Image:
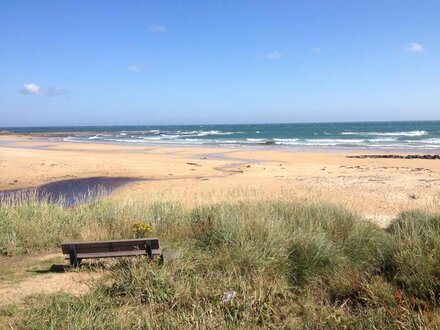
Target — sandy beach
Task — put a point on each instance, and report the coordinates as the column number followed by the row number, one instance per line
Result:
column 377, row 188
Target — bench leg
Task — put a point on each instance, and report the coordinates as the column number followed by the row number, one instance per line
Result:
column 148, row 249
column 161, row 259
column 74, row 261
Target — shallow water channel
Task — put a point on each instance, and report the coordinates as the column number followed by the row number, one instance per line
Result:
column 69, row 192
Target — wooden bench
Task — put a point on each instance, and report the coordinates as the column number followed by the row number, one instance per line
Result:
column 76, row 251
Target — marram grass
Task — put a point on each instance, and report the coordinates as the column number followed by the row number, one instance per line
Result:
column 291, row 265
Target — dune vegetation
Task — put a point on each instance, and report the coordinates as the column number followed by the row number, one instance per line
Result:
column 242, row 264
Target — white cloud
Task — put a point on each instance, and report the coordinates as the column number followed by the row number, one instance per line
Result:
column 137, row 67
column 31, row 88
column 317, row 49
column 415, row 47
column 34, row 89
column 273, row 55
column 157, row 28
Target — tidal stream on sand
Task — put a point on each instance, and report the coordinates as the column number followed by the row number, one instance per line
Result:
column 69, row 192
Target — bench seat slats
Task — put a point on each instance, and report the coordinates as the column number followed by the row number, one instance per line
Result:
column 104, row 249
column 93, row 255
column 89, row 249
column 104, row 245
column 121, row 245
column 134, row 240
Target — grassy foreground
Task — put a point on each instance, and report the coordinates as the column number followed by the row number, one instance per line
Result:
column 294, row 266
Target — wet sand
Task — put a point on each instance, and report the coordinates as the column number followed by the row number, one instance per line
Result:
column 376, row 187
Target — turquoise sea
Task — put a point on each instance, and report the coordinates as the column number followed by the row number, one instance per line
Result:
column 414, row 135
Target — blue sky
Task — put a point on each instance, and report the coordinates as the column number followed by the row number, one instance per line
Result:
column 198, row 62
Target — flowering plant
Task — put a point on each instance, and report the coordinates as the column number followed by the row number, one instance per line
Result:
column 141, row 229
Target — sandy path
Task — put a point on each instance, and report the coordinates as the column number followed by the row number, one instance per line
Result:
column 76, row 283
column 20, row 278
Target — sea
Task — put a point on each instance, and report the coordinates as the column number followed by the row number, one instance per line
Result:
column 408, row 135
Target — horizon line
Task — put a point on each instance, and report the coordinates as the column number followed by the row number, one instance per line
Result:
column 236, row 124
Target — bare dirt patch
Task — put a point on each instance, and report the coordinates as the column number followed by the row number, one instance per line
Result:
column 76, row 283
column 23, row 276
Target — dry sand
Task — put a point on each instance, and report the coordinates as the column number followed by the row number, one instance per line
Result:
column 377, row 188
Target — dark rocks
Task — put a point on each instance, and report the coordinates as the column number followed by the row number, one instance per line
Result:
column 398, row 156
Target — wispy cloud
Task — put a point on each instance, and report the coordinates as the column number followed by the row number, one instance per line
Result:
column 136, row 67
column 157, row 28
column 415, row 47
column 317, row 50
column 31, row 88
column 34, row 89
column 273, row 55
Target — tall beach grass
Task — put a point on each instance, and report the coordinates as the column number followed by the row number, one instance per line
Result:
column 290, row 265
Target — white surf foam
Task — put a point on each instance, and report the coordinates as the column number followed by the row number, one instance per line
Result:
column 408, row 133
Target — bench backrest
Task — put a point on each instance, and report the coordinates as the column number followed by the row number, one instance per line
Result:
column 112, row 246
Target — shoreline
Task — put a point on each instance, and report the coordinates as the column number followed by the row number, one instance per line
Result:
column 57, row 137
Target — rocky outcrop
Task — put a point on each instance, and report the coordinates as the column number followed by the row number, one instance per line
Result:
column 398, row 156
